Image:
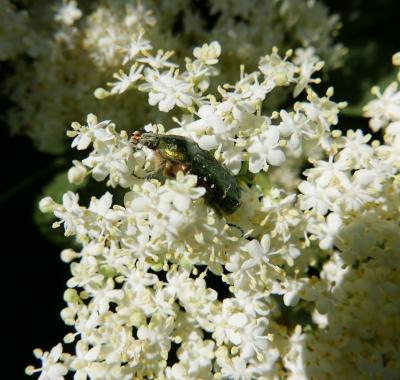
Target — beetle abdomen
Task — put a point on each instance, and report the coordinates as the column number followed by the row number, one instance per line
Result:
column 222, row 187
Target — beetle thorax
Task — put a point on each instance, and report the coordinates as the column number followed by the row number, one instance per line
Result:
column 150, row 140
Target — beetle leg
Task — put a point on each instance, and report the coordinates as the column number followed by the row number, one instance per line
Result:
column 136, row 176
column 238, row 227
column 179, row 168
column 184, row 167
column 168, row 169
column 156, row 174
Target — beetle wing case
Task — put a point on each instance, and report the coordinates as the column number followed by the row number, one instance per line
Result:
column 223, row 189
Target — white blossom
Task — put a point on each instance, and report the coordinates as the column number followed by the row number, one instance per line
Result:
column 385, row 108
column 68, row 12
column 138, row 45
column 208, row 53
column 264, row 149
column 166, row 90
column 52, row 368
column 288, row 285
column 125, row 81
column 84, row 135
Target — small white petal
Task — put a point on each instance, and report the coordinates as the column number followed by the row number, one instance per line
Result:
column 207, row 142
column 276, row 157
column 238, row 320
column 291, row 298
column 256, row 163
column 83, row 141
column 181, row 202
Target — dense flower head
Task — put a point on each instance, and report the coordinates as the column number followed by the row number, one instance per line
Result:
column 301, row 281
column 309, row 260
column 60, row 52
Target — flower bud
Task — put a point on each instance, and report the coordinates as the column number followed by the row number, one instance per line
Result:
column 67, row 255
column 47, row 205
column 77, row 173
column 101, row 93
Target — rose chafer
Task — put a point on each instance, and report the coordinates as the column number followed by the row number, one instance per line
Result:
column 177, row 153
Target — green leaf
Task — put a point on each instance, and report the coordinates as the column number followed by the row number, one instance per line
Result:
column 366, row 65
column 356, row 109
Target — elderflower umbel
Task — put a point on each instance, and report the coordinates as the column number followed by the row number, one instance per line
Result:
column 75, row 46
column 306, row 280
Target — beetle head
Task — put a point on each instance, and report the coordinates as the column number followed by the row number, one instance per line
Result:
column 151, row 140
column 148, row 139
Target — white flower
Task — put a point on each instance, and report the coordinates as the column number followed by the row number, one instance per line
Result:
column 389, row 154
column 335, row 270
column 322, row 111
column 309, row 63
column 84, row 358
column 384, row 109
column 51, row 368
column 291, row 126
column 233, row 157
column 102, row 207
column 317, row 198
column 208, row 53
column 166, row 90
column 393, row 129
column 125, row 81
column 229, row 322
column 355, row 149
column 254, row 340
column 68, row 12
column 155, row 335
column 235, row 368
column 327, row 231
column 197, row 355
column 102, row 295
column 265, row 148
column 359, row 191
column 113, row 160
column 278, row 71
column 136, row 46
column 208, row 119
column 70, row 214
column 291, row 289
column 177, row 372
column 258, row 252
column 328, row 173
column 293, row 360
column 182, row 191
column 280, row 213
column 138, row 15
column 159, row 61
column 84, row 135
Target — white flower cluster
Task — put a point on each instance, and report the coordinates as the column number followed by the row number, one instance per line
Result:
column 311, row 272
column 60, row 53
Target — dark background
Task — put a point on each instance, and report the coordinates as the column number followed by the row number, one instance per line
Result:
column 33, row 276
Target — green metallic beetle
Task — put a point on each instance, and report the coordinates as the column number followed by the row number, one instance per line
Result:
column 177, row 153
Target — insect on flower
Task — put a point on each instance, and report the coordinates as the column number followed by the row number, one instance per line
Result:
column 177, row 153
